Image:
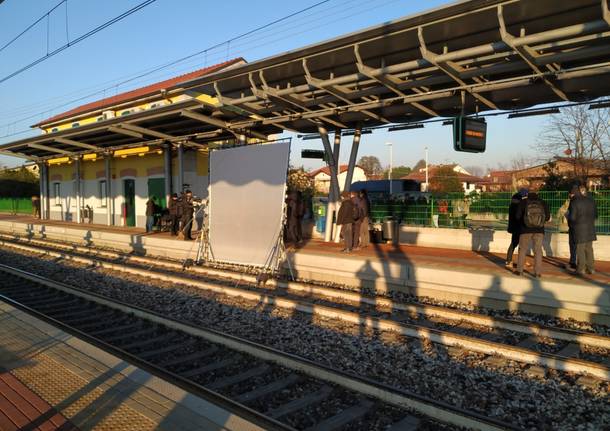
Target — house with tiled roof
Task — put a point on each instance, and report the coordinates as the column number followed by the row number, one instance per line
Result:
column 469, row 182
column 321, row 177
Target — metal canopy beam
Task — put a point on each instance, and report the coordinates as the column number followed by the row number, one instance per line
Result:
column 340, row 92
column 220, row 123
column 451, row 69
column 77, row 144
column 123, row 131
column 389, row 81
column 526, row 53
column 49, row 149
column 144, row 131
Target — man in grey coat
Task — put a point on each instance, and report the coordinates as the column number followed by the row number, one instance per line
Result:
column 581, row 215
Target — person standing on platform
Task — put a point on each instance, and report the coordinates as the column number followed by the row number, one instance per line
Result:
column 346, row 216
column 36, row 206
column 514, row 225
column 365, row 210
column 532, row 214
column 173, row 214
column 291, row 218
column 355, row 198
column 150, row 214
column 581, row 215
column 300, row 208
column 187, row 215
column 571, row 241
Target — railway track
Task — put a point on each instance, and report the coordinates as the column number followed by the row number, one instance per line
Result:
column 271, row 388
column 502, row 339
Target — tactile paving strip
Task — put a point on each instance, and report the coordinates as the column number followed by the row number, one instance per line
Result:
column 94, row 390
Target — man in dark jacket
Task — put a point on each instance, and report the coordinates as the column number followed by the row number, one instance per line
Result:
column 513, row 225
column 532, row 214
column 173, row 213
column 345, row 218
column 151, row 209
column 355, row 198
column 365, row 212
column 571, row 241
column 581, row 215
column 187, row 215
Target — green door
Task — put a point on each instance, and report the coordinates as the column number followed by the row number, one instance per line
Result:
column 129, row 191
column 156, row 188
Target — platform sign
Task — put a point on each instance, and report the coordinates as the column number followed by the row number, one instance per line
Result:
column 312, row 154
column 469, row 134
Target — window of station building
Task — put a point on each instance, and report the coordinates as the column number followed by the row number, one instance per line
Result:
column 103, row 193
column 54, row 129
column 125, row 112
column 75, row 125
column 100, row 118
column 57, row 193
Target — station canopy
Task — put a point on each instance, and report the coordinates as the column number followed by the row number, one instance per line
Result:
column 463, row 58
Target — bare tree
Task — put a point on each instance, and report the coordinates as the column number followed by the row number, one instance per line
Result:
column 477, row 171
column 519, row 162
column 371, row 165
column 580, row 134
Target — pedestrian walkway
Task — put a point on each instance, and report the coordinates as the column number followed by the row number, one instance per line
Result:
column 51, row 380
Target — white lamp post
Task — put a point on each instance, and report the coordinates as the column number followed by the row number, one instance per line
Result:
column 426, row 149
column 389, row 144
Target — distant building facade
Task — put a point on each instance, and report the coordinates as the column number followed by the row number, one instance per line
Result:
column 469, row 182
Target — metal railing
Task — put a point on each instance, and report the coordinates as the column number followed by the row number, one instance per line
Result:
column 480, row 210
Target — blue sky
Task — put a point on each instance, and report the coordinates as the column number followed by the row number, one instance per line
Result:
column 170, row 29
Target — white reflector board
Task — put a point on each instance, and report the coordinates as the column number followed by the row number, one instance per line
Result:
column 247, row 193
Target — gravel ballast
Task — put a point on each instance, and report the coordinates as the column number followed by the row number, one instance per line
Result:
column 464, row 379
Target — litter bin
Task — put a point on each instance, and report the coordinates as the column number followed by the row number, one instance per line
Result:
column 388, row 228
column 319, row 209
column 321, row 223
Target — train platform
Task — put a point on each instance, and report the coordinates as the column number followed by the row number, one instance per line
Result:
column 475, row 277
column 51, row 380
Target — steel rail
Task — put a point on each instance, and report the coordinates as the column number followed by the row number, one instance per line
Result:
column 423, row 405
column 569, row 335
column 444, row 337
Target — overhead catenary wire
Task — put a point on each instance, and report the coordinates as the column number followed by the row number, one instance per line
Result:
column 28, row 28
column 147, row 72
column 78, row 39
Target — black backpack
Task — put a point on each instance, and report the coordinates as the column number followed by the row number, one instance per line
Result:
column 535, row 215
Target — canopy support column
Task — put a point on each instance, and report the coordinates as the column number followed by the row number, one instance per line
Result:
column 352, row 159
column 41, row 182
column 77, row 168
column 180, row 148
column 337, row 191
column 334, row 184
column 109, row 197
column 167, row 169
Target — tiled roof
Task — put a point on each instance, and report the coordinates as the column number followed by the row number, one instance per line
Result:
column 421, row 176
column 139, row 92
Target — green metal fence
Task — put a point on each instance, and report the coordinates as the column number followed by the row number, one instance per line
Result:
column 16, row 205
column 489, row 210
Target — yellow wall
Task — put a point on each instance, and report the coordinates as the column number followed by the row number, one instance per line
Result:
column 140, row 164
column 65, row 170
column 202, row 163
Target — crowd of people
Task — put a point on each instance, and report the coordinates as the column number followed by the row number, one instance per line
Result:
column 179, row 216
column 527, row 216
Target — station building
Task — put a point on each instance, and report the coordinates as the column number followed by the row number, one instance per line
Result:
column 113, row 188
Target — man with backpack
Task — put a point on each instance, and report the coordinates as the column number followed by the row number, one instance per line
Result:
column 532, row 214
column 514, row 226
column 581, row 216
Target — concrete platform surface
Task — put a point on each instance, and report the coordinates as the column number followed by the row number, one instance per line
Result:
column 50, row 379
column 476, row 277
